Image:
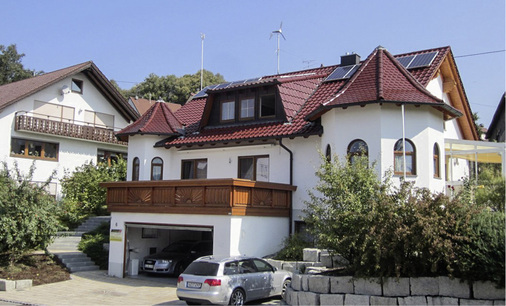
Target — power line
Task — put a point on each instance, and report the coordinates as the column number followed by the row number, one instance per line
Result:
column 482, row 53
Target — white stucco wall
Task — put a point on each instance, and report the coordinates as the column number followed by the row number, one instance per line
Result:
column 72, row 152
column 232, row 235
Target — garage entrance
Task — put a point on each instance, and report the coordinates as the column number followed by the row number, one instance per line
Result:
column 143, row 239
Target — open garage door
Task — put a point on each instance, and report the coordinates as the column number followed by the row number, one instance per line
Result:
column 150, row 240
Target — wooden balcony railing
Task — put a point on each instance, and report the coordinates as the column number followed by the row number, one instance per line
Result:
column 235, row 197
column 24, row 122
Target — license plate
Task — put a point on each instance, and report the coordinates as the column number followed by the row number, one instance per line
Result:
column 149, row 266
column 193, row 285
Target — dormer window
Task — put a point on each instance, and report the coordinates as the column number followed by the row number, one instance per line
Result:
column 267, row 106
column 247, row 108
column 227, row 111
column 77, row 86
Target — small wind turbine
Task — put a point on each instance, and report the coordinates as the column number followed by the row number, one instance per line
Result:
column 278, row 32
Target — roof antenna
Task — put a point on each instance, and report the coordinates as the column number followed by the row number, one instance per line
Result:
column 202, row 37
column 278, row 33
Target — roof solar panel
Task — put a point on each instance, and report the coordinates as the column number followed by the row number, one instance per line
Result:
column 423, row 60
column 406, row 60
column 342, row 72
column 222, row 85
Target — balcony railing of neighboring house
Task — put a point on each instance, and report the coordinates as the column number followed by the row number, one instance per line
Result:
column 234, row 197
column 38, row 123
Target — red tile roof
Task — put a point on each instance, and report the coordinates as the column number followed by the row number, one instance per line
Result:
column 143, row 105
column 157, row 120
column 14, row 92
column 381, row 79
column 306, row 96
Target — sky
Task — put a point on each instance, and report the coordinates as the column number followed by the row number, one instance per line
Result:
column 130, row 39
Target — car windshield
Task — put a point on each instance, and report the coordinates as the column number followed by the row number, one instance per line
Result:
column 180, row 247
column 202, row 268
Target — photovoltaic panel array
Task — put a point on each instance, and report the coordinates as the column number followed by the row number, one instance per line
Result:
column 203, row 92
column 418, row 60
column 342, row 72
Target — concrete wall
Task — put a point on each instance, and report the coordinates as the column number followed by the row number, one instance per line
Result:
column 254, row 236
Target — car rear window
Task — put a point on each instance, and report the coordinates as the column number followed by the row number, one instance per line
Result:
column 202, row 268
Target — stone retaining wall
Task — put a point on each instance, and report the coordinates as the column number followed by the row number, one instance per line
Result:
column 346, row 290
column 8, row 285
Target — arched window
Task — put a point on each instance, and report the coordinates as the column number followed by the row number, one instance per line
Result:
column 436, row 161
column 328, row 153
column 357, row 148
column 135, row 169
column 156, row 169
column 399, row 158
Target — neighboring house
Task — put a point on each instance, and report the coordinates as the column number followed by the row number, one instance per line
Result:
column 496, row 129
column 234, row 164
column 61, row 120
column 141, row 105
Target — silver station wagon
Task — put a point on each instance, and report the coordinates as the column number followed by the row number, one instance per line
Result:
column 230, row 280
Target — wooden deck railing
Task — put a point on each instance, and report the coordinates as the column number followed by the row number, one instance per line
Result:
column 66, row 129
column 235, row 197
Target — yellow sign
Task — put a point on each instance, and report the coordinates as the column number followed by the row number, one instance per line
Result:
column 115, row 235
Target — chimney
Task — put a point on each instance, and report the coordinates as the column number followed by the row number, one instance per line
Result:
column 350, row 59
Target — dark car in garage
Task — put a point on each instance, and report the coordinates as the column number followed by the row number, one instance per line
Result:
column 174, row 258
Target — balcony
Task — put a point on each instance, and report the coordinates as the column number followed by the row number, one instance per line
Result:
column 234, row 197
column 30, row 122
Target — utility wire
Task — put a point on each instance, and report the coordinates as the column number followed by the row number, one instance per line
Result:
column 482, row 53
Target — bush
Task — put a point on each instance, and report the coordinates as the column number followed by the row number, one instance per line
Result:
column 92, row 244
column 28, row 214
column 410, row 232
column 82, row 194
column 293, row 248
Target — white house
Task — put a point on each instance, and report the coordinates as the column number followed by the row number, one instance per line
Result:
column 60, row 120
column 234, row 164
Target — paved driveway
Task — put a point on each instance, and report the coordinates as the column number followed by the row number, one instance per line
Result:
column 97, row 288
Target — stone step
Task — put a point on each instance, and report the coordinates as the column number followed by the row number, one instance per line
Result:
column 84, row 268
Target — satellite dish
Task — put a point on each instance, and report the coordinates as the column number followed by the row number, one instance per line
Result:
column 64, row 90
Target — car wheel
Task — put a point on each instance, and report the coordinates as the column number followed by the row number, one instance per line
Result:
column 286, row 284
column 237, row 297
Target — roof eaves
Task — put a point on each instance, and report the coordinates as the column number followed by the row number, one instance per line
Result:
column 75, row 69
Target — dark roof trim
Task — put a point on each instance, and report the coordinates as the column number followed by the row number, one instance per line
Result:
column 448, row 110
column 163, row 143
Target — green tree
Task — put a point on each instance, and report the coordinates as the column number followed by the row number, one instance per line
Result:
column 490, row 191
column 28, row 214
column 82, row 194
column 11, row 68
column 171, row 88
column 407, row 231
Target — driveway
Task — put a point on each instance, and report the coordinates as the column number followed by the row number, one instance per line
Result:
column 97, row 288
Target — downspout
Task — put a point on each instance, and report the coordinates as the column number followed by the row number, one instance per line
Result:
column 403, row 141
column 290, row 216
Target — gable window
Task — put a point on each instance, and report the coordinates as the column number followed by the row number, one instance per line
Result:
column 135, row 169
column 194, row 169
column 34, row 149
column 255, row 168
column 247, row 108
column 156, row 169
column 267, row 106
column 436, row 159
column 399, row 157
column 357, row 148
column 227, row 111
column 77, row 86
